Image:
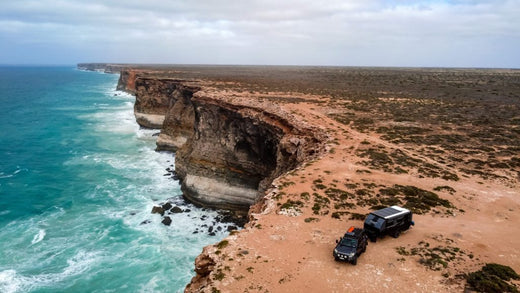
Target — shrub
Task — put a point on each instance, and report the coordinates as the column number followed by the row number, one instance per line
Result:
column 493, row 278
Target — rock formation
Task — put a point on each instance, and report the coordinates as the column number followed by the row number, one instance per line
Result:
column 179, row 120
column 152, row 100
column 237, row 149
column 229, row 148
column 126, row 80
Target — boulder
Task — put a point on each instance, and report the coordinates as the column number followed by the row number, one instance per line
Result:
column 158, row 210
column 176, row 210
column 167, row 221
column 167, row 206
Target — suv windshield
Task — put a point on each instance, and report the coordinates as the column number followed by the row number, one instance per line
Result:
column 348, row 242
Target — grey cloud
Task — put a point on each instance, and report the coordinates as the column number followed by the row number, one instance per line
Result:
column 337, row 32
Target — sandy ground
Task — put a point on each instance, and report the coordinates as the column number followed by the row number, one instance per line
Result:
column 284, row 253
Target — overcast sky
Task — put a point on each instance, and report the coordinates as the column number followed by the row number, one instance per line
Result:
column 458, row 33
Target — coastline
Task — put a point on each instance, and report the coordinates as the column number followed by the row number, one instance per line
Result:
column 303, row 205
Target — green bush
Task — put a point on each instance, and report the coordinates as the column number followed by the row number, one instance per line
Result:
column 493, row 278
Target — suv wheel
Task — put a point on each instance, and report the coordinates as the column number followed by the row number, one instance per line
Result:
column 396, row 233
column 364, row 247
column 354, row 260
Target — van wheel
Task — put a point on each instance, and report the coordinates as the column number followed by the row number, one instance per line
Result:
column 354, row 260
column 373, row 238
column 364, row 248
column 396, row 233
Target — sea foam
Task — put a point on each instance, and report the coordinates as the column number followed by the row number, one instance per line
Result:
column 38, row 237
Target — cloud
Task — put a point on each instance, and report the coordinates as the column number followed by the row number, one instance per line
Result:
column 335, row 32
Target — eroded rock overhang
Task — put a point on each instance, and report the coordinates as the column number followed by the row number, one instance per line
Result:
column 238, row 147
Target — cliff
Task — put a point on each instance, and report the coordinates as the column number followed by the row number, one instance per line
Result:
column 178, row 125
column 238, row 147
column 127, row 79
column 229, row 145
column 153, row 98
column 101, row 67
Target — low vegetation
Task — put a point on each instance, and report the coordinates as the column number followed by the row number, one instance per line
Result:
column 493, row 278
column 434, row 258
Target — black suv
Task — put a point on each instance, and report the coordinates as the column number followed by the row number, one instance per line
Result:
column 351, row 245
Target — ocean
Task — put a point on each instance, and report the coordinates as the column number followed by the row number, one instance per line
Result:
column 78, row 180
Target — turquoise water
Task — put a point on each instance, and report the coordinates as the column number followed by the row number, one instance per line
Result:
column 78, row 180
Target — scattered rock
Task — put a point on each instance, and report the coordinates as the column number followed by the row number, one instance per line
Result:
column 187, row 210
column 231, row 228
column 145, row 222
column 167, row 206
column 210, row 229
column 158, row 210
column 239, row 219
column 167, row 221
column 212, row 234
column 156, row 134
column 176, row 210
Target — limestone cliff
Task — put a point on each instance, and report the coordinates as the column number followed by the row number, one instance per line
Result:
column 238, row 147
column 178, row 125
column 153, row 98
column 126, row 82
column 229, row 145
column 101, row 67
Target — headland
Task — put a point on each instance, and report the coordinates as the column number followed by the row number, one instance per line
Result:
column 309, row 151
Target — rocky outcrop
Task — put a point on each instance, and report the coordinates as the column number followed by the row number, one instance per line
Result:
column 237, row 149
column 229, row 146
column 204, row 265
column 178, row 125
column 127, row 79
column 153, row 97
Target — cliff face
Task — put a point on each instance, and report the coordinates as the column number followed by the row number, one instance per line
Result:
column 178, row 125
column 101, row 67
column 153, row 98
column 229, row 147
column 237, row 149
column 126, row 82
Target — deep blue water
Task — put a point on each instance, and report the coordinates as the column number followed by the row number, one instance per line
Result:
column 77, row 179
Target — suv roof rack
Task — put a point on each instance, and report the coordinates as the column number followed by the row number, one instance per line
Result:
column 352, row 231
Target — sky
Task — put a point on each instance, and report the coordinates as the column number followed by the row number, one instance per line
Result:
column 430, row 33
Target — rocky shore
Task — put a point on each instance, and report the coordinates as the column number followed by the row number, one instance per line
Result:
column 309, row 151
